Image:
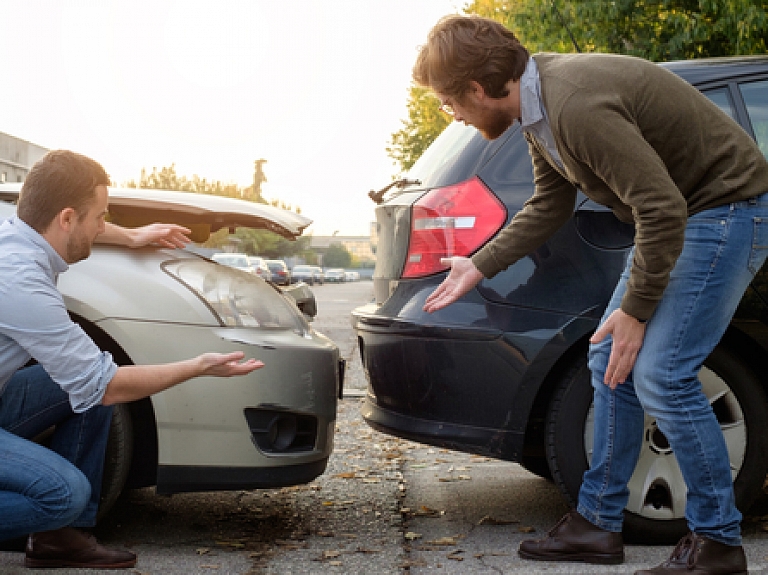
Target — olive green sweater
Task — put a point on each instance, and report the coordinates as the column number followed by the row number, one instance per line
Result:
column 638, row 139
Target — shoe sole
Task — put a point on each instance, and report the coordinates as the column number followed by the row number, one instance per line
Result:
column 576, row 558
column 58, row 563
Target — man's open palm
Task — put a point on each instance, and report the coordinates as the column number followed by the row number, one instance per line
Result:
column 463, row 277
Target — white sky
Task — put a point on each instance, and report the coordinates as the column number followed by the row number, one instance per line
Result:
column 314, row 87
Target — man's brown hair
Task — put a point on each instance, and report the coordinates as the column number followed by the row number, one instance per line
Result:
column 464, row 48
column 60, row 179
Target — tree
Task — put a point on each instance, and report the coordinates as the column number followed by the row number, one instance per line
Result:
column 337, row 256
column 167, row 179
column 425, row 123
column 659, row 30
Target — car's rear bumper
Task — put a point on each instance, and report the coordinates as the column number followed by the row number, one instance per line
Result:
column 497, row 443
column 469, row 386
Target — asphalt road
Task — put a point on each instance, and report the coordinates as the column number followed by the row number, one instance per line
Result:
column 384, row 506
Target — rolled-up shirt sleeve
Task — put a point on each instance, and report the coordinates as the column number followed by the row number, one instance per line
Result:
column 35, row 317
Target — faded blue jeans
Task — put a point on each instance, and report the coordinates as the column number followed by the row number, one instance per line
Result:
column 724, row 248
column 43, row 489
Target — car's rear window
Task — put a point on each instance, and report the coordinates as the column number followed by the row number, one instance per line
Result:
column 456, row 155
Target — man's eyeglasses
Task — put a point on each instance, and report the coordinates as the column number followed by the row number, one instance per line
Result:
column 447, row 109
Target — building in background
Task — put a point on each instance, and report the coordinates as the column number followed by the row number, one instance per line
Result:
column 361, row 247
column 17, row 156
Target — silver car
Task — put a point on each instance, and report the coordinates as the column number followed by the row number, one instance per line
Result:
column 271, row 428
column 238, row 261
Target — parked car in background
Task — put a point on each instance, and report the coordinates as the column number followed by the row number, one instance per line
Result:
column 280, row 273
column 351, row 276
column 303, row 273
column 502, row 372
column 271, row 428
column 238, row 261
column 335, row 275
column 261, row 268
column 319, row 275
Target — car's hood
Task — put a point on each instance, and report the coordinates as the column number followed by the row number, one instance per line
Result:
column 203, row 213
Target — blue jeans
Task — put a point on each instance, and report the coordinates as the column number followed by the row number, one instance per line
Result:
column 43, row 489
column 724, row 248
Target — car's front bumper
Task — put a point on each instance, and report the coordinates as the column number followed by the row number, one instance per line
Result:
column 208, row 435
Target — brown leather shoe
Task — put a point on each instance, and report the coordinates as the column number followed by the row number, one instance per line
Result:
column 697, row 555
column 70, row 547
column 575, row 539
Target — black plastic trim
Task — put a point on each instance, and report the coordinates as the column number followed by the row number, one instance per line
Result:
column 189, row 478
column 490, row 442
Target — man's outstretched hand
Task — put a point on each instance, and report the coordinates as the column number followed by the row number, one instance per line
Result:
column 163, row 235
column 227, row 364
column 462, row 278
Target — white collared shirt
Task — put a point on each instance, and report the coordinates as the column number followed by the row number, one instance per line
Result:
column 34, row 321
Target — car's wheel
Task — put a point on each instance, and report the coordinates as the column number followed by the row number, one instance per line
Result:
column 538, row 466
column 655, row 513
column 117, row 462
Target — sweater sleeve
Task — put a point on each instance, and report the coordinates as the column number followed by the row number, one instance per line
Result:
column 599, row 132
column 541, row 216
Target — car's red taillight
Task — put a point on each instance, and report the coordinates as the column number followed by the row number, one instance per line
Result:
column 451, row 221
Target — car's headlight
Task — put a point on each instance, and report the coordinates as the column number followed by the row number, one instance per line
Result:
column 237, row 298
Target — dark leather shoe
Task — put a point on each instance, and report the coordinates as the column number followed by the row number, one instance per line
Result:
column 70, row 547
column 697, row 555
column 576, row 539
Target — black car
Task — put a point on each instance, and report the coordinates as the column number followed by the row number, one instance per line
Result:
column 280, row 273
column 502, row 372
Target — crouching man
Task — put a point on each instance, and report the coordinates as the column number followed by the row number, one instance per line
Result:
column 52, row 493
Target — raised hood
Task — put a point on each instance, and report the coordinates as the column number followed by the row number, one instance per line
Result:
column 202, row 213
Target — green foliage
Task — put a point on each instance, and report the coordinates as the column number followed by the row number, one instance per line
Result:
column 167, row 179
column 659, row 30
column 337, row 256
column 424, row 124
column 261, row 242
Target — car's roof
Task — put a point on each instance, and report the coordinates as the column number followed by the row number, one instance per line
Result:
column 203, row 213
column 705, row 70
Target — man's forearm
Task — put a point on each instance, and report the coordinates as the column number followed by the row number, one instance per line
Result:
column 132, row 382
column 114, row 234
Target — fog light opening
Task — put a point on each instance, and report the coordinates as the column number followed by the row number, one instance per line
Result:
column 281, row 432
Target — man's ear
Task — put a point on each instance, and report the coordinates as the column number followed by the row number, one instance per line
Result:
column 476, row 90
column 65, row 218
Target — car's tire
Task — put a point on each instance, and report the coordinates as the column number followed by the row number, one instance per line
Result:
column 655, row 512
column 538, row 466
column 117, row 462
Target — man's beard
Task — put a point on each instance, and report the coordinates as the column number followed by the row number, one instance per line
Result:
column 494, row 124
column 78, row 248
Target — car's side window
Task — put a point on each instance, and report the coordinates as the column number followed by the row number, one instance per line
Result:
column 721, row 97
column 755, row 96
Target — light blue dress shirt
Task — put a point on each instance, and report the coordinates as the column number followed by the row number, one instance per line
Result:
column 34, row 322
column 533, row 116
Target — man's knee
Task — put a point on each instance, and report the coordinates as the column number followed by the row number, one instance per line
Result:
column 63, row 497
